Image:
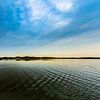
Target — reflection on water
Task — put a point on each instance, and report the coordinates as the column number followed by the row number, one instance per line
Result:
column 50, row 80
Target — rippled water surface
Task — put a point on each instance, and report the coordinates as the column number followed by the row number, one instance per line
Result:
column 50, row 80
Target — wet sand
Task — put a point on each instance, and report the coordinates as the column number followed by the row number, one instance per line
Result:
column 50, row 80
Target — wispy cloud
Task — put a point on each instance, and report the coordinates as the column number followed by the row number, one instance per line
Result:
column 37, row 9
column 63, row 5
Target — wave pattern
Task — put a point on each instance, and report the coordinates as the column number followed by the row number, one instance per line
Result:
column 49, row 82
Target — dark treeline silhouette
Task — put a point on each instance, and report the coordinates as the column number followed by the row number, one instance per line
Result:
column 28, row 58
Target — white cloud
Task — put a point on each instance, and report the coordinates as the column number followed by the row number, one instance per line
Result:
column 62, row 23
column 63, row 5
column 56, row 21
column 38, row 9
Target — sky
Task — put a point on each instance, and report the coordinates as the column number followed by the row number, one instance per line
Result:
column 50, row 28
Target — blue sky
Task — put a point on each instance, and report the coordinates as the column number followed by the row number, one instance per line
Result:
column 50, row 27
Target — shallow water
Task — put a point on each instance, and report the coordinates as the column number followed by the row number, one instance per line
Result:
column 50, row 80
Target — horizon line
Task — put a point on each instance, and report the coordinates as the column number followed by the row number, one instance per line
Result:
column 28, row 58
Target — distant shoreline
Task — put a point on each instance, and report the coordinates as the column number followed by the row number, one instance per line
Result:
column 27, row 58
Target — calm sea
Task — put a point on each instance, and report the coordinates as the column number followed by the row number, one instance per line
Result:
column 50, row 80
